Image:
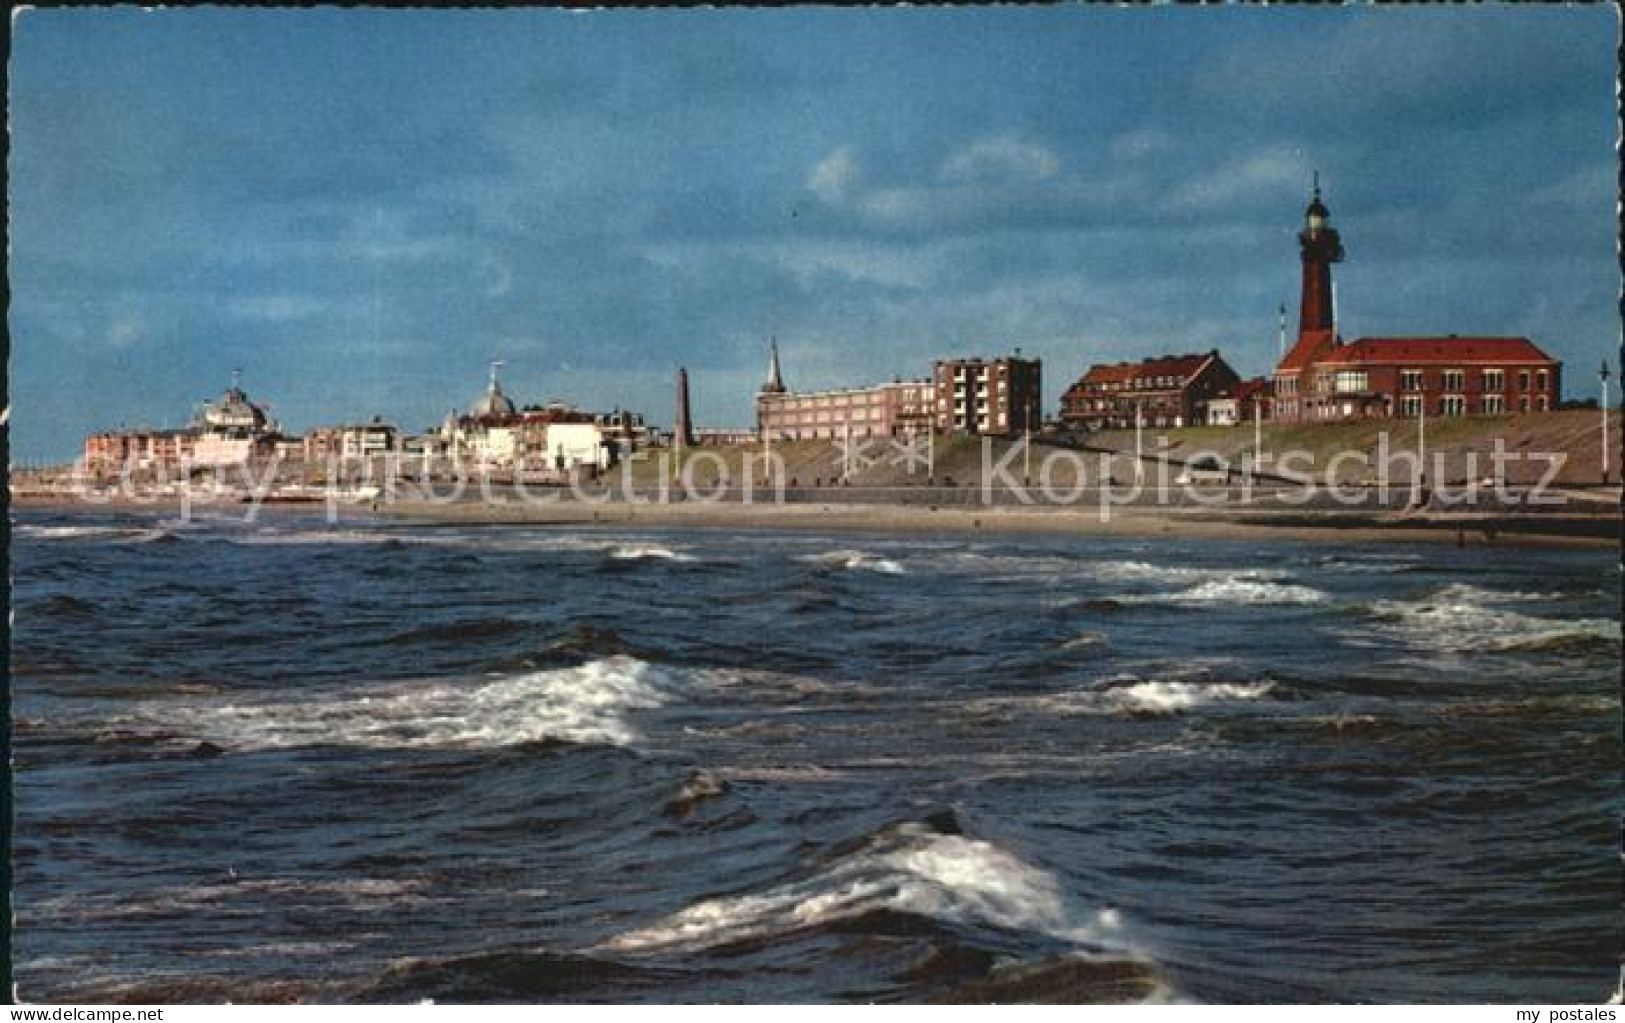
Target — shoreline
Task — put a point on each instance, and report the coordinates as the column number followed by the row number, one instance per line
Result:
column 1464, row 529
column 1475, row 529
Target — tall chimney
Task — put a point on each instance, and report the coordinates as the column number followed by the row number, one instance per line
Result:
column 683, row 435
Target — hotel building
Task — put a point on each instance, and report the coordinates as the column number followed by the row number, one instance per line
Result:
column 1001, row 397
column 900, row 408
column 1170, row 390
column 1323, row 378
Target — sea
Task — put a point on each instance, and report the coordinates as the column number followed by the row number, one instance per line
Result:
column 390, row 761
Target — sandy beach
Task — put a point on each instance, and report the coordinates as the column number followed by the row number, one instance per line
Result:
column 1588, row 530
column 1592, row 522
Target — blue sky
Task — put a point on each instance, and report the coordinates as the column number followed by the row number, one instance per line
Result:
column 361, row 208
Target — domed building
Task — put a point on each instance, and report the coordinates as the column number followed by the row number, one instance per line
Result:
column 234, row 415
column 233, row 429
column 493, row 402
column 487, row 431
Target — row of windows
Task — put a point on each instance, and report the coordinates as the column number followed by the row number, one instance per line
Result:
column 1140, row 383
column 1410, row 405
column 1456, row 380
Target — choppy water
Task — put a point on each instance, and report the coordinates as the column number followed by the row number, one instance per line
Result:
column 294, row 760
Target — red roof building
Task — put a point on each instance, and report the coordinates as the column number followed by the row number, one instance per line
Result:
column 1322, row 378
column 1171, row 390
column 1242, row 403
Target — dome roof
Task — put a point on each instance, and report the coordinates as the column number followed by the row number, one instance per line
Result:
column 234, row 410
column 493, row 402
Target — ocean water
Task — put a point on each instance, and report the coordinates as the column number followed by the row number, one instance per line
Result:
column 294, row 760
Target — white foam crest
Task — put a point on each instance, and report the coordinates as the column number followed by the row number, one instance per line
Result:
column 638, row 552
column 1142, row 571
column 1167, row 697
column 1458, row 620
column 360, row 893
column 129, row 534
column 588, row 703
column 946, row 877
column 856, row 560
column 1235, row 589
column 1464, row 594
column 1084, row 640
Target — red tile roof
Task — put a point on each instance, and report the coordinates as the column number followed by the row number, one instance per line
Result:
column 1422, row 350
column 1180, row 366
column 1248, row 388
column 1311, row 344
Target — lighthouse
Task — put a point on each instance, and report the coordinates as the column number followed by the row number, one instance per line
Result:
column 1319, row 247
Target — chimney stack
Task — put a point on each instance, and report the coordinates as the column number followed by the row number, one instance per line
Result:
column 683, row 435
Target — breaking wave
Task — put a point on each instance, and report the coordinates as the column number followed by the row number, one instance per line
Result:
column 1461, row 619
column 123, row 534
column 911, row 868
column 1159, row 697
column 857, row 561
column 640, row 552
column 588, row 703
column 1129, row 697
column 1235, row 589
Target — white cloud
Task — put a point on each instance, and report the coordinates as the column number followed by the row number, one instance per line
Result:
column 1592, row 188
column 1141, row 142
column 1001, row 159
column 834, row 175
column 805, row 261
column 125, row 329
column 276, row 308
column 501, row 277
column 1269, row 170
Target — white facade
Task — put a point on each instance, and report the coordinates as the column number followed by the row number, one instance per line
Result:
column 1223, row 412
column 570, row 445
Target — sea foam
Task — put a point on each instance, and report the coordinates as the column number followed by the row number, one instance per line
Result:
column 945, row 877
column 1462, row 619
column 1235, row 589
column 857, row 561
column 588, row 703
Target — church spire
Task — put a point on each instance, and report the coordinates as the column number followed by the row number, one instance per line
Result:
column 775, row 378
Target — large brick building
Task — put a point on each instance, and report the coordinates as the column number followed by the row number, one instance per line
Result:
column 231, row 430
column 1002, row 397
column 992, row 396
column 1323, row 378
column 900, row 408
column 1170, row 390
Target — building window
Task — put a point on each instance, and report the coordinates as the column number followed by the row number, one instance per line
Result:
column 1540, row 384
column 1523, row 384
column 1495, row 380
column 1452, row 405
column 1410, row 380
column 1542, row 403
column 1454, row 380
column 1410, row 406
column 1349, row 381
column 1523, row 404
column 1494, row 404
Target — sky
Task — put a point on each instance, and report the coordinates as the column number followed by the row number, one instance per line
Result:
column 359, row 209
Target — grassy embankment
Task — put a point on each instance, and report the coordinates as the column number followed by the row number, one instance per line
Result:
column 1575, row 436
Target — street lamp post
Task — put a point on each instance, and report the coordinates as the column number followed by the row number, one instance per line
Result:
column 1139, row 446
column 1602, row 377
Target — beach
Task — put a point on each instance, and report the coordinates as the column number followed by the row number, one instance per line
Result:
column 1359, row 526
column 1591, row 522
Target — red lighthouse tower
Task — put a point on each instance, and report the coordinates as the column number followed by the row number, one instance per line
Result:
column 1319, row 247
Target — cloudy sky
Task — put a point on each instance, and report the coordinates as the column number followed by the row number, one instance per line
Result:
column 361, row 208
